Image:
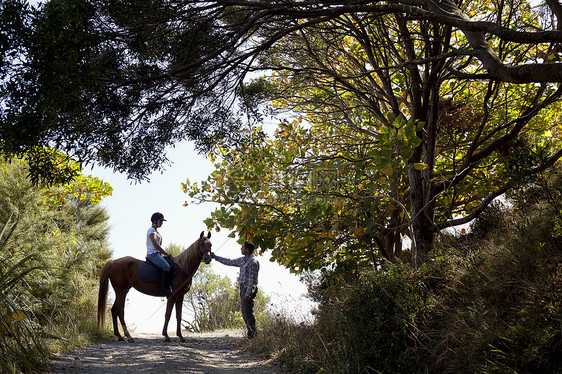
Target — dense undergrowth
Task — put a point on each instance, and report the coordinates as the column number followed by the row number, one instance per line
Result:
column 52, row 245
column 487, row 302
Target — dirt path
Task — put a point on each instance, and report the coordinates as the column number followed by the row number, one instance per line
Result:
column 211, row 353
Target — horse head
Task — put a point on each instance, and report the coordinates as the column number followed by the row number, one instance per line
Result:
column 205, row 247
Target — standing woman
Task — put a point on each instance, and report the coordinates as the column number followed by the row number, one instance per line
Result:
column 154, row 252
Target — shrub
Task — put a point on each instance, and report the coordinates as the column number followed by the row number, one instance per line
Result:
column 22, row 348
column 379, row 318
column 215, row 303
column 485, row 302
column 49, row 269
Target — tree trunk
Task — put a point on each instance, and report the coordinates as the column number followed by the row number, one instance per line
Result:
column 422, row 218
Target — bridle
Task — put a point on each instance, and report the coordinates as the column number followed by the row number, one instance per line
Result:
column 201, row 251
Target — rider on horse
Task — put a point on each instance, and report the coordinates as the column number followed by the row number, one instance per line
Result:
column 154, row 252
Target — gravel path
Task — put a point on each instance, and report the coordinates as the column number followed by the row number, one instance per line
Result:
column 211, row 353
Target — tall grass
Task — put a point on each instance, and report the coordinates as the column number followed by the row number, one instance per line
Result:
column 32, row 327
column 48, row 268
column 22, row 347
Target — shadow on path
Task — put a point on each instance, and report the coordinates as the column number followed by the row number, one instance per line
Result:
column 212, row 353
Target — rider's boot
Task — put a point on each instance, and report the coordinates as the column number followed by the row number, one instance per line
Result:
column 165, row 289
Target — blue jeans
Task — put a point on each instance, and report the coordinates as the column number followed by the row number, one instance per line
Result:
column 248, row 311
column 159, row 261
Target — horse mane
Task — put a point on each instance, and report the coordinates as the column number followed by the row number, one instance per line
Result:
column 188, row 258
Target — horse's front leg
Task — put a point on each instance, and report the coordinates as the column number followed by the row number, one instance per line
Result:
column 179, row 304
column 169, row 306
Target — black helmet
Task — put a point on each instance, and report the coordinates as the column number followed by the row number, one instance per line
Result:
column 156, row 216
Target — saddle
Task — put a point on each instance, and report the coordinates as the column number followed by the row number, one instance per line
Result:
column 149, row 272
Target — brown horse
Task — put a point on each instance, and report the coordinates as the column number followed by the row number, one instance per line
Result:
column 124, row 274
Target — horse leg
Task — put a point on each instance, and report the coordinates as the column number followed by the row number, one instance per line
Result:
column 179, row 304
column 114, row 314
column 169, row 306
column 118, row 311
column 125, row 331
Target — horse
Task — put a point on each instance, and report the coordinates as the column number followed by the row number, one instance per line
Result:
column 124, row 274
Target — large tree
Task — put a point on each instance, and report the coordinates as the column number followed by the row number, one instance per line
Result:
column 116, row 81
column 438, row 136
column 111, row 82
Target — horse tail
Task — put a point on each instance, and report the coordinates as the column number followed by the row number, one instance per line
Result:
column 102, row 294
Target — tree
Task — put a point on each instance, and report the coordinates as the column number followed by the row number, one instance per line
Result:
column 441, row 146
column 389, row 74
column 310, row 195
column 145, row 70
column 88, row 78
column 116, row 82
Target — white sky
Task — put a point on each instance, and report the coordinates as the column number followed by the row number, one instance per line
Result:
column 130, row 208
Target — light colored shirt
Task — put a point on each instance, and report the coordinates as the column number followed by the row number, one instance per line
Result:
column 149, row 246
column 249, row 269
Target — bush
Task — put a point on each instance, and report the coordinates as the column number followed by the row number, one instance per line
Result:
column 485, row 302
column 215, row 303
column 22, row 347
column 379, row 318
column 50, row 261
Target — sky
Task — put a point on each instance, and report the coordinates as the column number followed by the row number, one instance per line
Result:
column 130, row 208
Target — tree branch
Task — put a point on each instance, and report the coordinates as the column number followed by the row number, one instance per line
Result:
column 500, row 191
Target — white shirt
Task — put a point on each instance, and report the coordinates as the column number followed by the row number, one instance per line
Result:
column 149, row 246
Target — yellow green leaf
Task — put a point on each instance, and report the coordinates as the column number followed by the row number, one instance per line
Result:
column 420, row 165
column 388, row 170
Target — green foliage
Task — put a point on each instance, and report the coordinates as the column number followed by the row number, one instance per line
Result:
column 381, row 147
column 78, row 72
column 501, row 308
column 48, row 166
column 485, row 302
column 61, row 233
column 215, row 303
column 310, row 195
column 22, row 347
column 381, row 315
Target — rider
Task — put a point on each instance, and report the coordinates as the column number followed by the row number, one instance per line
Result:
column 155, row 251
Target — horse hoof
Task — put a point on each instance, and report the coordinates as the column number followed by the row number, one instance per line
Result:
column 131, row 340
column 167, row 339
column 120, row 338
column 182, row 339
